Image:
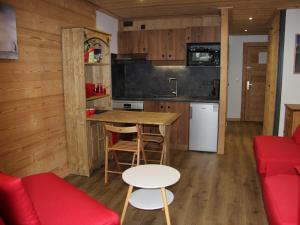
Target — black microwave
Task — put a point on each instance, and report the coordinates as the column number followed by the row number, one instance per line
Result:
column 203, row 54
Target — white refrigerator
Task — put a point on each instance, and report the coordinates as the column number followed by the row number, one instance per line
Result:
column 203, row 133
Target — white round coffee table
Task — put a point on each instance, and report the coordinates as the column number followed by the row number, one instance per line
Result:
column 152, row 179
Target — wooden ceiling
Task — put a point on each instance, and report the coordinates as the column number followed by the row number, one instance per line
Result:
column 260, row 10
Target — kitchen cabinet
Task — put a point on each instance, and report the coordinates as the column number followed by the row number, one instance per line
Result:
column 84, row 140
column 166, row 44
column 179, row 136
column 292, row 119
column 132, row 42
column 179, row 44
column 203, row 34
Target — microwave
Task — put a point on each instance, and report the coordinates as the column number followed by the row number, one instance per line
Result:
column 203, row 54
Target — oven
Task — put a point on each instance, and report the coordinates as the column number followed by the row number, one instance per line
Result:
column 128, row 105
column 203, row 54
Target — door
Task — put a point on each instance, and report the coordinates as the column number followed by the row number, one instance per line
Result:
column 254, row 81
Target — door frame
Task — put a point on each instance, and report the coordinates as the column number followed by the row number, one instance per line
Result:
column 245, row 45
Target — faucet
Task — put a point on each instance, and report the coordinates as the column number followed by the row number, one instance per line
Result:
column 173, row 78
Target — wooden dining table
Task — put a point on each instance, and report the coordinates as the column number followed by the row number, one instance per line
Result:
column 163, row 120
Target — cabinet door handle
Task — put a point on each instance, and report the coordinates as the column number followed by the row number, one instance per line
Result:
column 163, row 55
column 169, row 107
column 170, row 55
column 161, row 107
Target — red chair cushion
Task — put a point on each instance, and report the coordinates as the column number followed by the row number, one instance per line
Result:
column 59, row 203
column 281, row 198
column 296, row 135
column 280, row 152
column 16, row 207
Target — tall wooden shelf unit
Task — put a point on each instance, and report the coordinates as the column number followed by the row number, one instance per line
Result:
column 84, row 138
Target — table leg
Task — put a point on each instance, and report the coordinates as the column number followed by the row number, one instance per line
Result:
column 126, row 203
column 165, row 132
column 164, row 197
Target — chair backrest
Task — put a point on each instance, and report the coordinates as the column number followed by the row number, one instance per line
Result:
column 109, row 130
column 122, row 130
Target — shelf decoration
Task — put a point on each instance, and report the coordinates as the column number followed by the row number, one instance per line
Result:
column 93, row 50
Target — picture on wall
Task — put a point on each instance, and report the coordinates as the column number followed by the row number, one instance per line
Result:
column 297, row 55
column 8, row 32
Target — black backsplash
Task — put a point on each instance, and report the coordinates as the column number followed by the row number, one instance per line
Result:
column 139, row 79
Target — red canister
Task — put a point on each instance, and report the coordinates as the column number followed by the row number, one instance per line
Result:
column 90, row 90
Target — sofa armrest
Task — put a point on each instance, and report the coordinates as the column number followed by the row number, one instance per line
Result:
column 281, row 167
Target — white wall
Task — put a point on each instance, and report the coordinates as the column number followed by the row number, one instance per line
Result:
column 235, row 72
column 109, row 25
column 290, row 82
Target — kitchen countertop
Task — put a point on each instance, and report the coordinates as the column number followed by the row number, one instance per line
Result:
column 204, row 99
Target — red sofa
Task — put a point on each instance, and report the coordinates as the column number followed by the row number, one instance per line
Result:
column 278, row 165
column 45, row 199
column 277, row 155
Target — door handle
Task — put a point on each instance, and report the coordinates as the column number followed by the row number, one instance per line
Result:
column 248, row 85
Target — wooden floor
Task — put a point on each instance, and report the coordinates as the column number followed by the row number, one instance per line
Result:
column 213, row 190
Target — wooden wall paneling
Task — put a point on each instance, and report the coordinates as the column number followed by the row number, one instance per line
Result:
column 180, row 22
column 223, row 80
column 271, row 76
column 32, row 133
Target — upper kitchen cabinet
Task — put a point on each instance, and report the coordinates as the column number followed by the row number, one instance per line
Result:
column 203, row 34
column 166, row 44
column 179, row 43
column 132, row 42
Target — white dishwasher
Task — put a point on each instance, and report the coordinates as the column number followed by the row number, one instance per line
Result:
column 203, row 135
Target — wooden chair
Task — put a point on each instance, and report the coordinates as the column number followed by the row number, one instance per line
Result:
column 153, row 143
column 134, row 147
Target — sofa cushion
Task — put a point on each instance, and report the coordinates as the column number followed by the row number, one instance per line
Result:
column 59, row 203
column 1, row 222
column 296, row 135
column 16, row 207
column 282, row 152
column 281, row 197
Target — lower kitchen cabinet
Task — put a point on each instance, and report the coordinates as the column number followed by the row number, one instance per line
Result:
column 179, row 137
